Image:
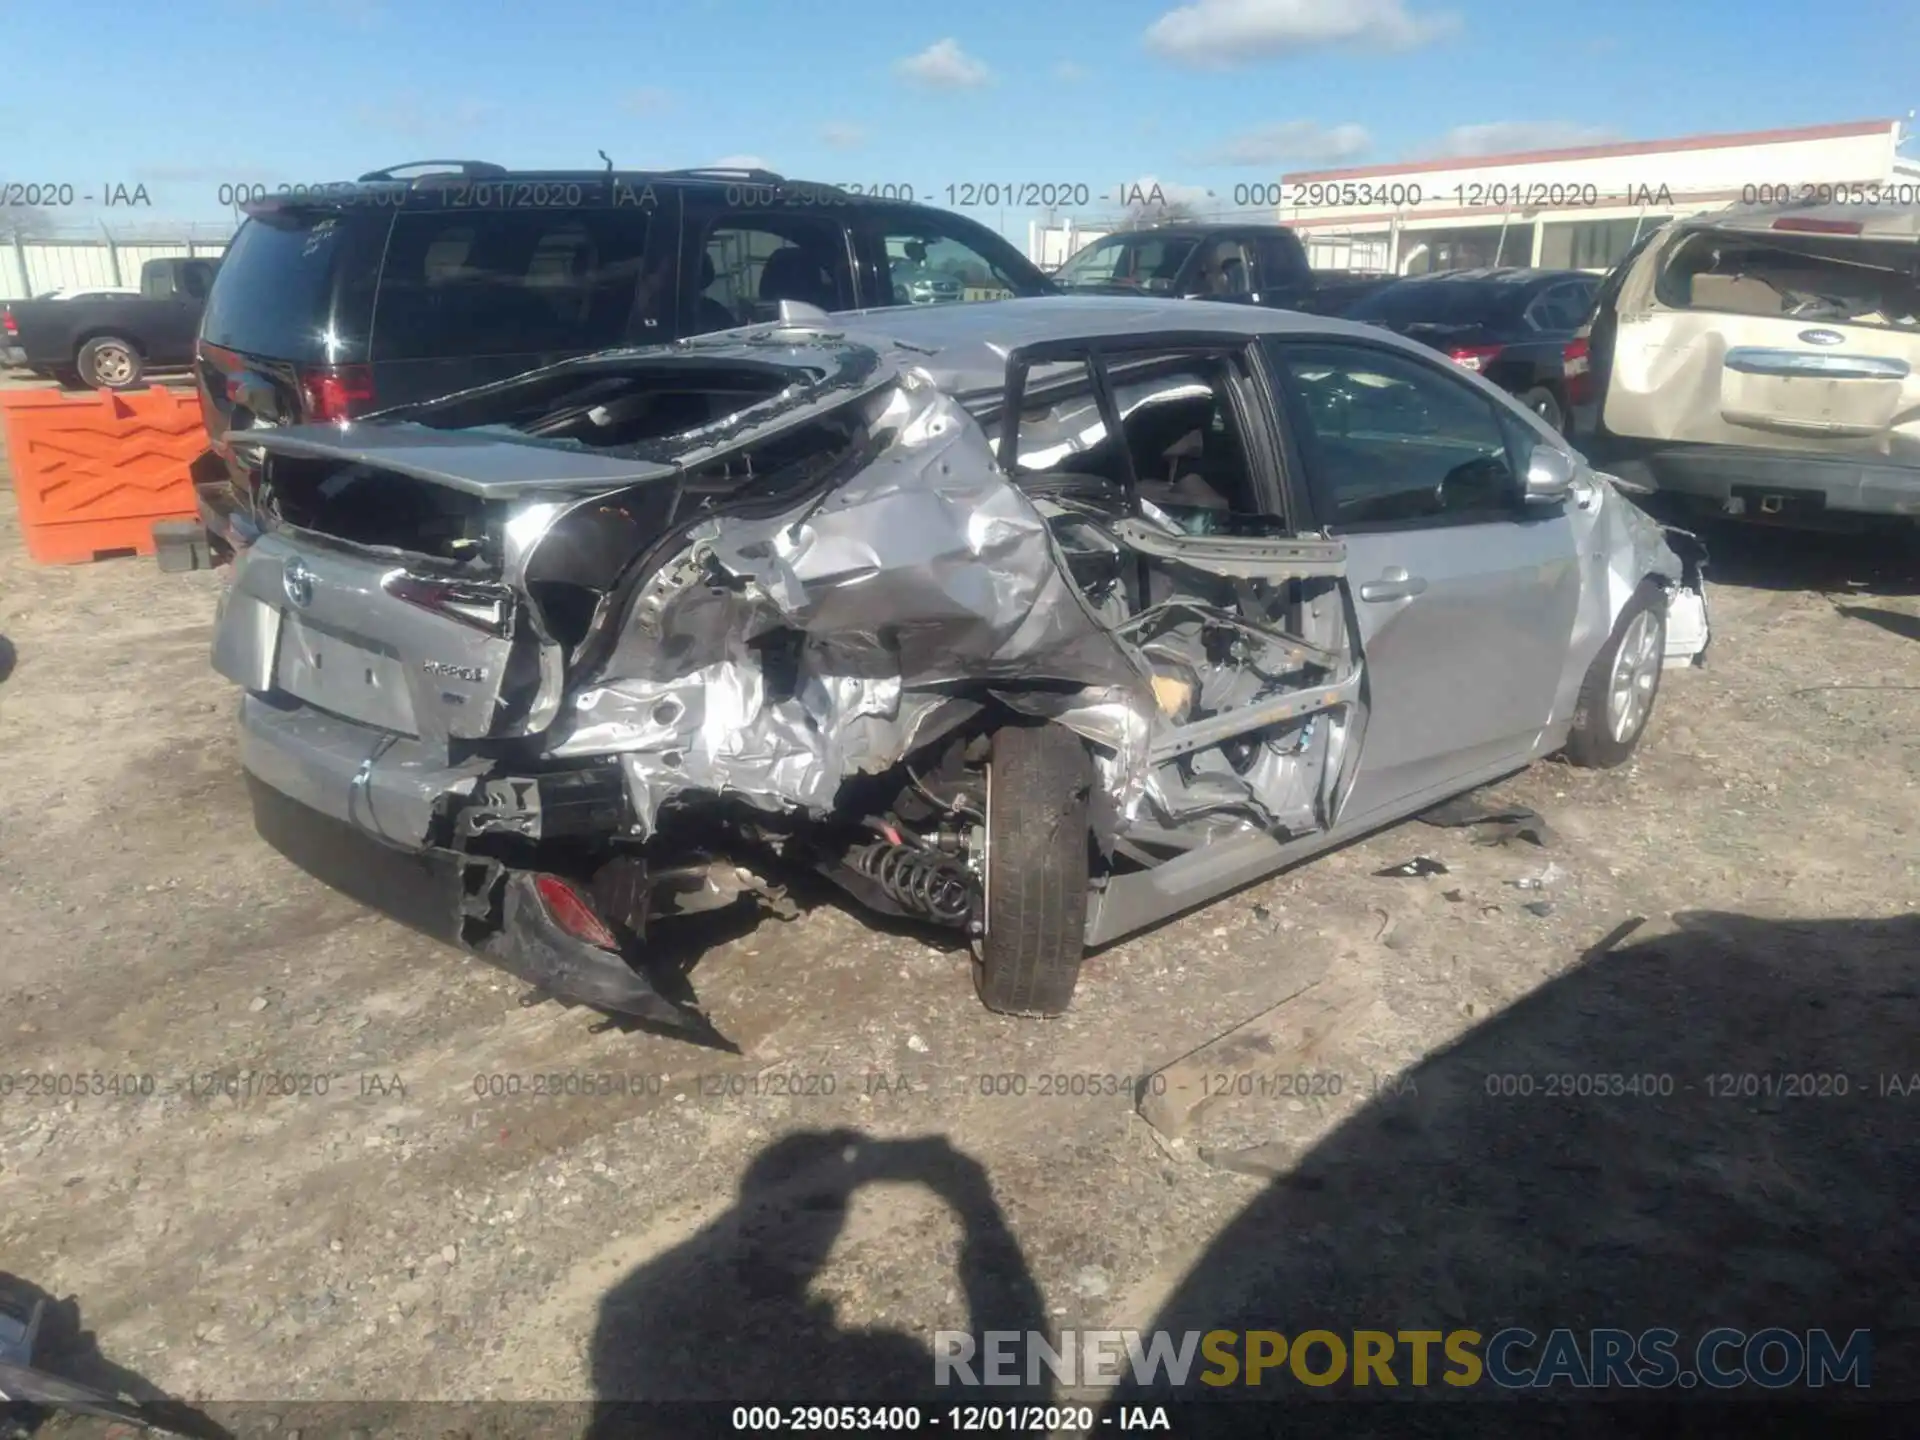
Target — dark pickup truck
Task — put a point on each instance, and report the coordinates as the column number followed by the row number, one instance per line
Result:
column 111, row 342
column 1247, row 264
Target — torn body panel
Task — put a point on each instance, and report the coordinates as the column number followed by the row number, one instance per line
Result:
column 772, row 597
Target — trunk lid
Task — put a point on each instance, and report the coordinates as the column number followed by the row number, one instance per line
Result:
column 400, row 581
column 1790, row 331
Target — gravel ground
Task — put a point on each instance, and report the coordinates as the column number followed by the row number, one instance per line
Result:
column 399, row 1206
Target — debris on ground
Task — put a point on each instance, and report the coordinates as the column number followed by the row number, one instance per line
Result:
column 1418, row 866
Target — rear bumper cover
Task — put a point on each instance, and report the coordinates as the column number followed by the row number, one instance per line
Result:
column 354, row 809
column 1862, row 486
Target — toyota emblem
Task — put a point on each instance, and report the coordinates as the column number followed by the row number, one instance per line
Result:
column 297, row 580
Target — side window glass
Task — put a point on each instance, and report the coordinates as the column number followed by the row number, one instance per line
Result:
column 1226, row 268
column 1180, row 435
column 1281, row 263
column 927, row 267
column 749, row 264
column 1390, row 441
column 507, row 283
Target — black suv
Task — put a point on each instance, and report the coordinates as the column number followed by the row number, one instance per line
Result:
column 335, row 301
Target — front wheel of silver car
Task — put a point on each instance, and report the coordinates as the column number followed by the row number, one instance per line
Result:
column 1617, row 697
column 1040, row 778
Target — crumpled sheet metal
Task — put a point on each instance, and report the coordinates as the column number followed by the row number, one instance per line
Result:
column 1635, row 545
column 923, row 573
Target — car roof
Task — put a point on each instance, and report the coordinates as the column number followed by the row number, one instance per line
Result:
column 965, row 347
column 1193, row 228
column 386, row 183
column 1869, row 222
column 1498, row 275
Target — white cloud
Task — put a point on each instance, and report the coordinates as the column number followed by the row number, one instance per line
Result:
column 647, row 100
column 412, row 116
column 1217, row 34
column 1068, row 72
column 943, row 65
column 1292, row 142
column 1508, row 137
column 738, row 162
column 838, row 135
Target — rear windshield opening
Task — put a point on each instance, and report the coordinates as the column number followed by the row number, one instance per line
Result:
column 612, row 409
column 1833, row 278
column 366, row 505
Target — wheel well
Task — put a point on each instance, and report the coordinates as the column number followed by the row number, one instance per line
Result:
column 104, row 332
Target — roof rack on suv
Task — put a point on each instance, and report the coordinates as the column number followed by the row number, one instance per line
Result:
column 727, row 172
column 471, row 169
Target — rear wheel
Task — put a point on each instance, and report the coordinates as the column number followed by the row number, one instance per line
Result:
column 109, row 363
column 1544, row 403
column 1036, row 870
column 1616, row 699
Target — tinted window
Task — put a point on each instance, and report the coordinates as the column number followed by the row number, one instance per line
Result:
column 1144, row 262
column 298, row 286
column 1225, row 268
column 513, row 282
column 196, row 279
column 753, row 262
column 1442, row 302
column 1387, row 439
column 1560, row 307
column 927, row 265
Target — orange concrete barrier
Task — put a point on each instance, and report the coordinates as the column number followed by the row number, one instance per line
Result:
column 92, row 473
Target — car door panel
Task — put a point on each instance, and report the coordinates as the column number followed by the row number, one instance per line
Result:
column 1242, row 637
column 1463, row 662
column 1464, row 602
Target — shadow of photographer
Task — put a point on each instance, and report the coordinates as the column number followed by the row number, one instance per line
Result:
column 728, row 1315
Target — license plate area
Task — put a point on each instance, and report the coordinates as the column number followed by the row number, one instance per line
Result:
column 1763, row 504
column 349, row 676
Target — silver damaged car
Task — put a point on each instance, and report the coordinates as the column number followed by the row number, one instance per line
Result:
column 1042, row 620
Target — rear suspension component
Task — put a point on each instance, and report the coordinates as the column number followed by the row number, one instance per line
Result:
column 919, row 880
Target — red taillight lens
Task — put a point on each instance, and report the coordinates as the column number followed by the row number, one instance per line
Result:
column 335, row 392
column 1473, row 357
column 1577, row 362
column 12, row 325
column 476, row 603
column 1819, row 227
column 571, row 912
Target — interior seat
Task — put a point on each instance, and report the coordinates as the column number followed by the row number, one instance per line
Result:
column 795, row 274
column 708, row 313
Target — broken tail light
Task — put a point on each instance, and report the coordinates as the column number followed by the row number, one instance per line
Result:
column 335, row 392
column 571, row 912
column 1577, row 361
column 484, row 607
column 1474, row 357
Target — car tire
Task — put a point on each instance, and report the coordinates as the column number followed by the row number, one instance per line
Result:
column 1039, row 778
column 1617, row 697
column 1544, row 403
column 109, row 363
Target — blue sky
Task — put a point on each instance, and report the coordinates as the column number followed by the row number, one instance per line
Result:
column 1103, row 93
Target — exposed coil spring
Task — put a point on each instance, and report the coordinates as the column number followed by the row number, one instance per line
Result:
column 930, row 884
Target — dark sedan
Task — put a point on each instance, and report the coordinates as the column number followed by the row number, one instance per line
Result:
column 1516, row 327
